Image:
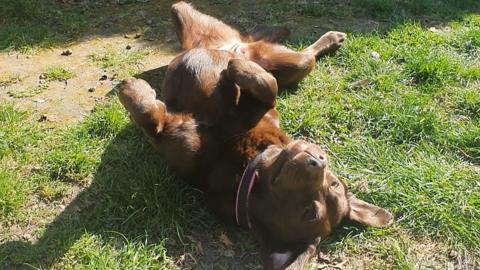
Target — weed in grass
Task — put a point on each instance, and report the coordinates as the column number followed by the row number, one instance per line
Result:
column 113, row 252
column 16, row 134
column 12, row 194
column 51, row 190
column 28, row 92
column 126, row 62
column 8, row 78
column 467, row 102
column 398, row 252
column 57, row 73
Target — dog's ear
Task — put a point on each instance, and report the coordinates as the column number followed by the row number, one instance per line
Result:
column 367, row 213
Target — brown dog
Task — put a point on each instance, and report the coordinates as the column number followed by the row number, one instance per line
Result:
column 219, row 130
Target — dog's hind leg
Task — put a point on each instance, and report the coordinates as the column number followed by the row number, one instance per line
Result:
column 288, row 66
column 173, row 135
column 328, row 43
column 197, row 30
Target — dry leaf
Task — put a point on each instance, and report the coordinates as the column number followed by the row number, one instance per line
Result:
column 199, row 247
column 225, row 240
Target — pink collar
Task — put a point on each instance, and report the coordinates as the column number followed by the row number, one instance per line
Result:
column 243, row 193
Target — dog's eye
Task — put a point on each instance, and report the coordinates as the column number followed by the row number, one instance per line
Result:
column 335, row 184
column 310, row 213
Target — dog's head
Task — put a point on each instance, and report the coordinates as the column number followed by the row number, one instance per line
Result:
column 298, row 200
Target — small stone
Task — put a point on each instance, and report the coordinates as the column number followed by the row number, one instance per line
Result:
column 36, row 168
column 67, row 52
column 91, row 89
column 103, row 78
column 375, row 55
column 40, row 100
column 42, row 77
column 43, row 118
column 228, row 253
column 134, row 36
column 225, row 240
column 463, row 118
column 128, row 47
column 452, row 254
column 358, row 84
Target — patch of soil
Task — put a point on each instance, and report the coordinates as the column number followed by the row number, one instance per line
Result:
column 71, row 100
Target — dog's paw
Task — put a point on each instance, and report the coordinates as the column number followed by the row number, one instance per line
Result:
column 328, row 43
column 335, row 37
column 137, row 87
column 136, row 94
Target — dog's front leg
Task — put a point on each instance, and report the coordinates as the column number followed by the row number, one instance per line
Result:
column 253, row 78
column 174, row 135
column 139, row 99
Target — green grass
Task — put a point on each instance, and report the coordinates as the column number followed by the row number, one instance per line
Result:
column 29, row 91
column 126, row 62
column 411, row 133
column 57, row 73
column 12, row 194
column 28, row 25
column 403, row 130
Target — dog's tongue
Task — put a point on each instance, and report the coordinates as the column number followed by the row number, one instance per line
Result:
column 280, row 260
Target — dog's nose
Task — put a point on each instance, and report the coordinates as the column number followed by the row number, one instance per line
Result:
column 317, row 160
column 313, row 162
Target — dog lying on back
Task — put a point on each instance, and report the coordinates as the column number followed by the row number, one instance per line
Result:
column 218, row 128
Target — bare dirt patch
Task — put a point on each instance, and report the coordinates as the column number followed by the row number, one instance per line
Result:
column 72, row 99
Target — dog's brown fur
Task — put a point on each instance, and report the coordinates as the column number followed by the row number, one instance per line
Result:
column 220, row 113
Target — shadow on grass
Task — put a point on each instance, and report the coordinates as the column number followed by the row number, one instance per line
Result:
column 43, row 23
column 133, row 198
